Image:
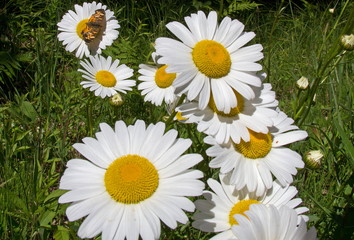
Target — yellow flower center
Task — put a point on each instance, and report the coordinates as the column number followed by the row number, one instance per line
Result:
column 180, row 117
column 164, row 79
column 240, row 208
column 259, row 145
column 81, row 26
column 234, row 111
column 211, row 58
column 131, row 179
column 106, row 78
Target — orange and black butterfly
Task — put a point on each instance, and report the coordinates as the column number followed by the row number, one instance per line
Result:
column 94, row 26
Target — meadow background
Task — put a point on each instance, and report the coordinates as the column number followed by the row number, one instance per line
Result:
column 44, row 110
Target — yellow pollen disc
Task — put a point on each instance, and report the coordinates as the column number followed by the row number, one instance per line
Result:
column 180, row 117
column 239, row 208
column 81, row 26
column 259, row 145
column 106, row 78
column 131, row 179
column 234, row 111
column 164, row 79
column 211, row 58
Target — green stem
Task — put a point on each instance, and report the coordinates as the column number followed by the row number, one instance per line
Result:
column 173, row 114
column 221, row 9
column 90, row 116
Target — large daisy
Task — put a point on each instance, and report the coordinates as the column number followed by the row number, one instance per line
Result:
column 255, row 114
column 268, row 222
column 215, row 213
column 73, row 24
column 133, row 177
column 156, row 83
column 105, row 77
column 211, row 59
column 253, row 163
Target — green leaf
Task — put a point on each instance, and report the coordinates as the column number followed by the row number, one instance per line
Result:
column 46, row 218
column 62, row 233
column 348, row 145
column 28, row 110
column 55, row 194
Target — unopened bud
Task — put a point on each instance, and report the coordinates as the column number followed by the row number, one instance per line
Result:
column 347, row 42
column 331, row 10
column 313, row 159
column 116, row 100
column 302, row 83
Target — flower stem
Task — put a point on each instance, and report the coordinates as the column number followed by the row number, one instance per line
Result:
column 173, row 114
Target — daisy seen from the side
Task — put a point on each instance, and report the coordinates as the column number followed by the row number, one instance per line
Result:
column 253, row 163
column 211, row 59
column 263, row 222
column 255, row 114
column 156, row 83
column 133, row 178
column 104, row 77
column 75, row 22
column 216, row 212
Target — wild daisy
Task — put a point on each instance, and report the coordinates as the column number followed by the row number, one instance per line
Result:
column 133, row 177
column 211, row 59
column 252, row 163
column 215, row 213
column 255, row 114
column 105, row 77
column 268, row 222
column 156, row 83
column 74, row 24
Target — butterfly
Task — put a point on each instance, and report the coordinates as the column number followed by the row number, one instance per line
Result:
column 94, row 26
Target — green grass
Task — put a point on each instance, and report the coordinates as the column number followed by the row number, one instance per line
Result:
column 44, row 110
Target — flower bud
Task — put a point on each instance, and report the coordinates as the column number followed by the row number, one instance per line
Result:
column 302, row 83
column 313, row 159
column 331, row 10
column 116, row 100
column 347, row 42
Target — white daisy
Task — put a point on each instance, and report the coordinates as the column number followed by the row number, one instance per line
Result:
column 104, row 77
column 211, row 59
column 156, row 83
column 269, row 222
column 73, row 23
column 215, row 214
column 133, row 178
column 253, row 163
column 255, row 114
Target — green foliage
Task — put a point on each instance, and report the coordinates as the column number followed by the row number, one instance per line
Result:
column 45, row 110
column 236, row 6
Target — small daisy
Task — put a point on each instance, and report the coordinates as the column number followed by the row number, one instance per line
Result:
column 211, row 59
column 156, row 83
column 73, row 23
column 104, row 77
column 172, row 107
column 133, row 177
column 215, row 214
column 253, row 163
column 269, row 222
column 255, row 114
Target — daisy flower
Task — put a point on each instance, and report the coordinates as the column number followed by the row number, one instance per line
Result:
column 255, row 114
column 211, row 59
column 133, row 177
column 104, row 77
column 252, row 163
column 268, row 222
column 156, row 83
column 172, row 107
column 75, row 22
column 215, row 213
